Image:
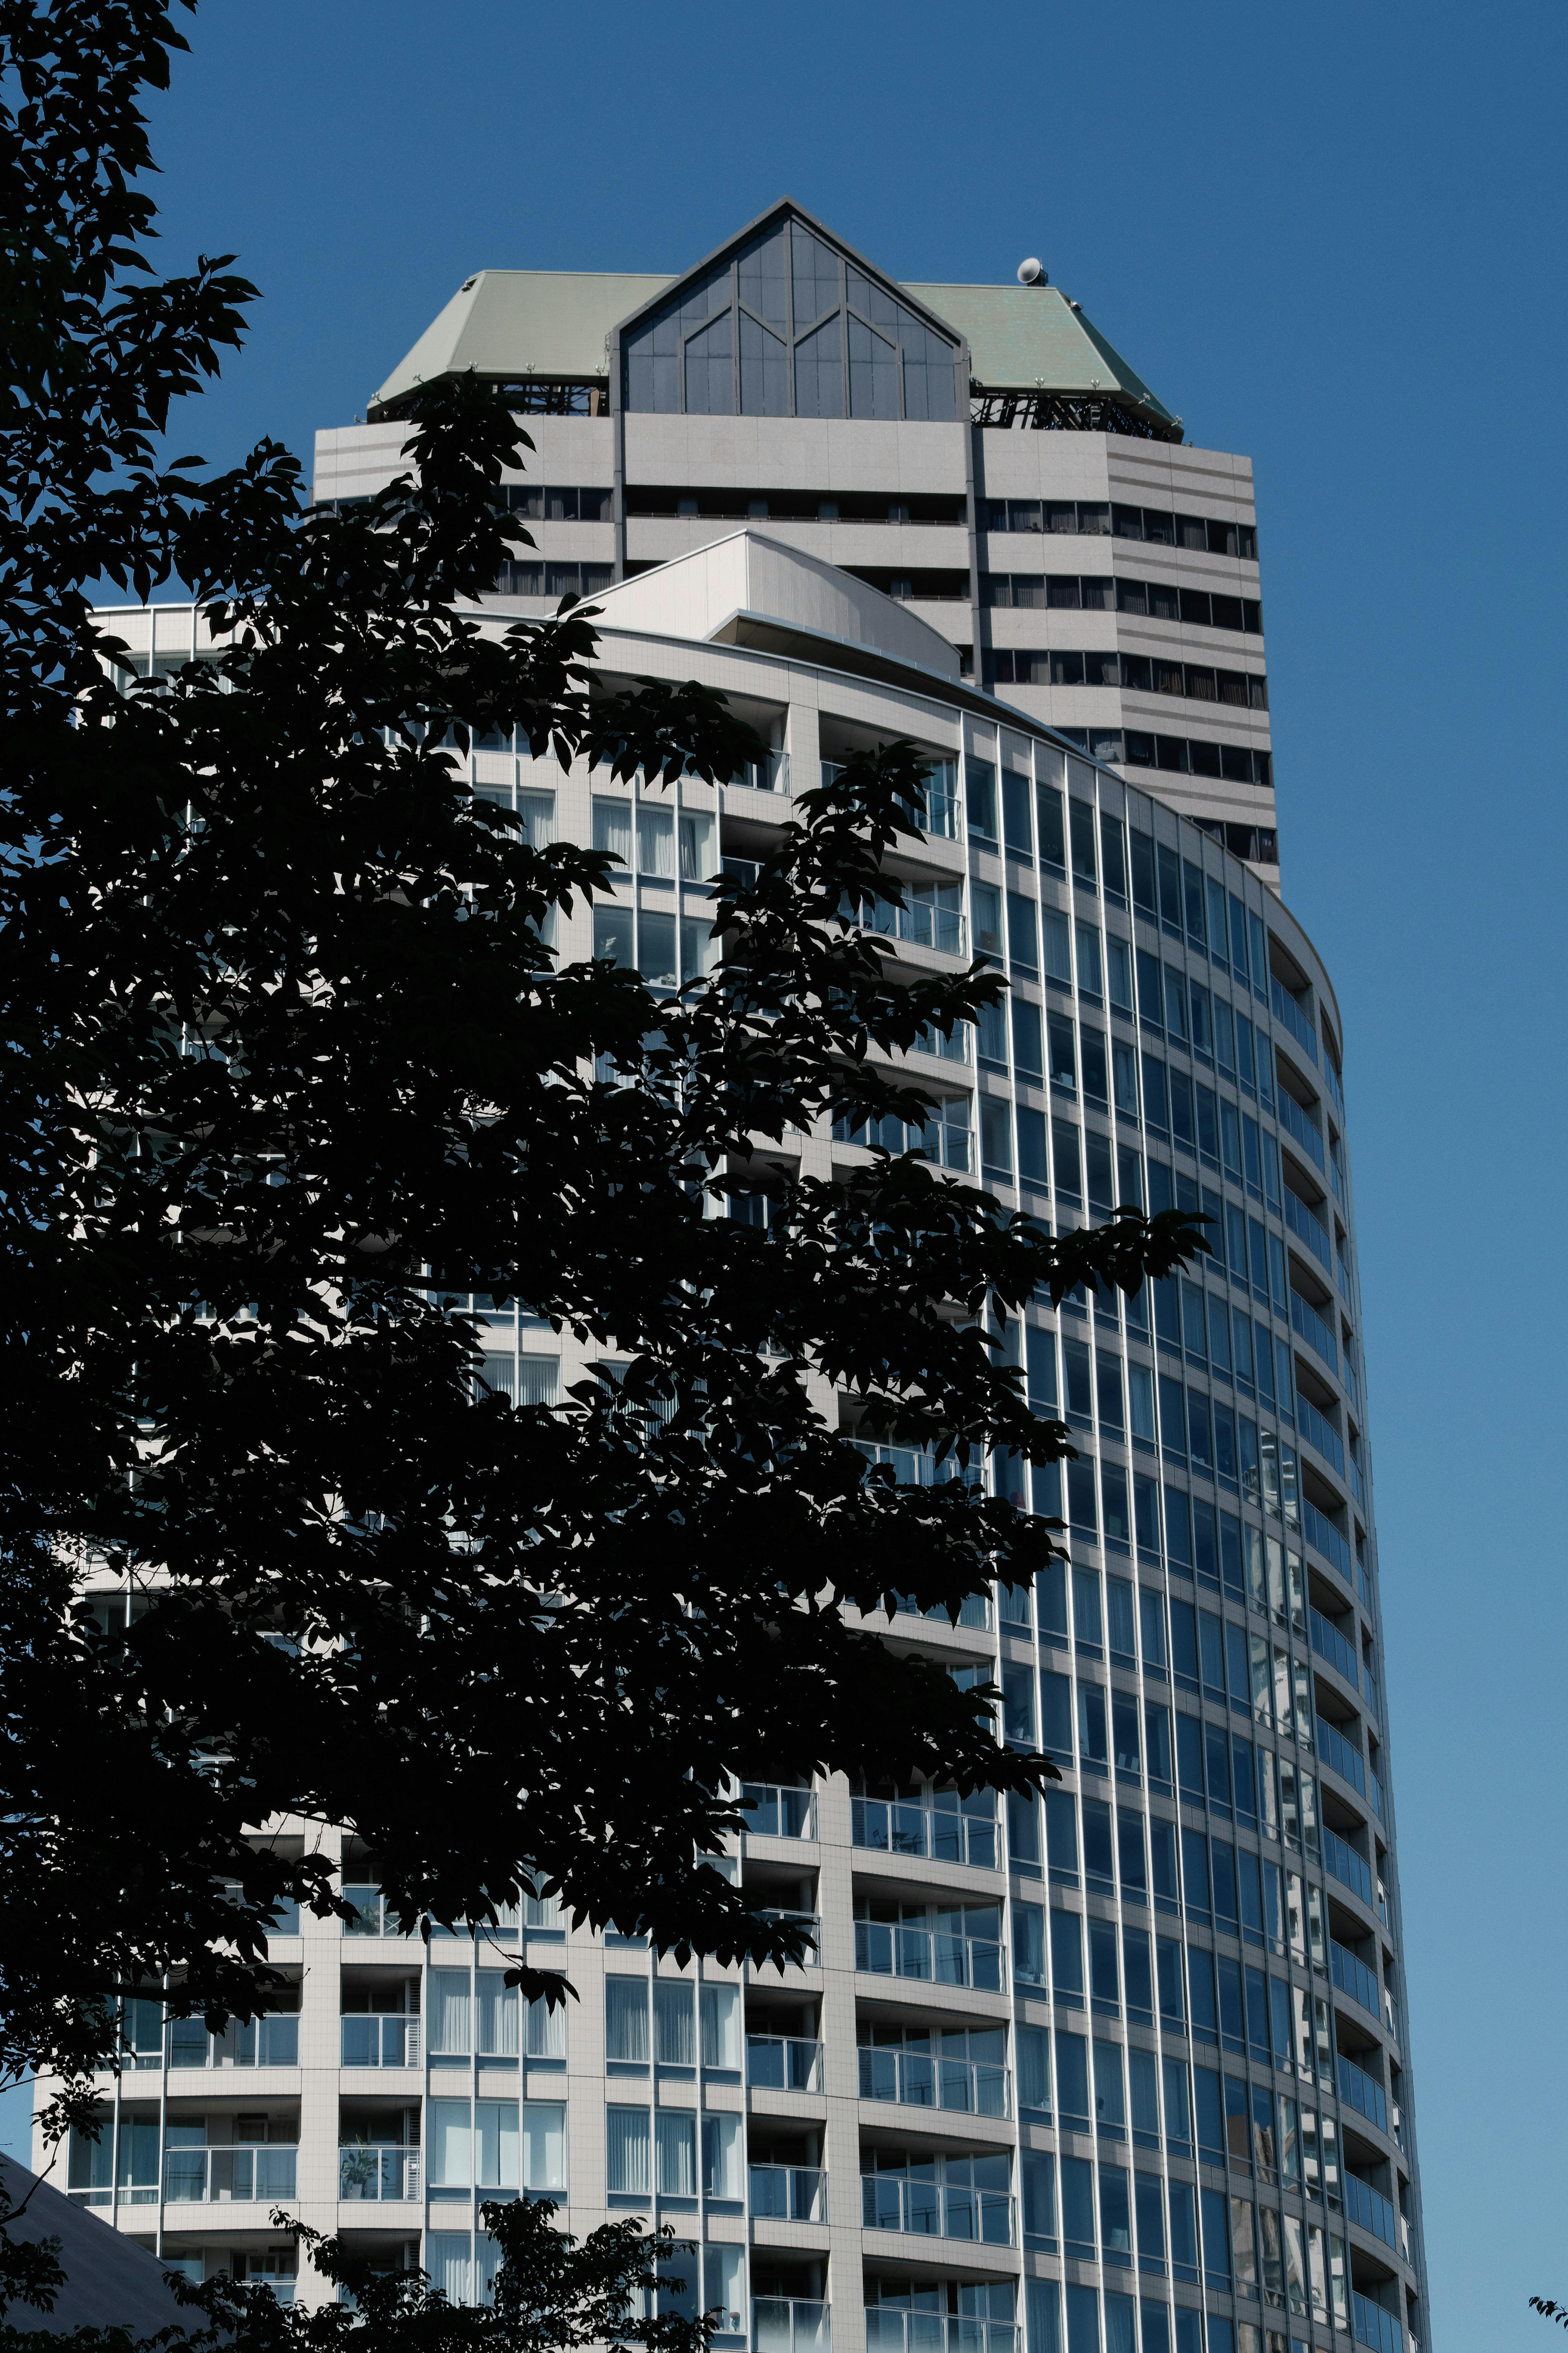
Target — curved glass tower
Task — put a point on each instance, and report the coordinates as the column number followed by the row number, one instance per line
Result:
column 1126, row 2070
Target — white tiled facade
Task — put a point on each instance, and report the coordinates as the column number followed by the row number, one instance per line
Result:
column 1096, row 2154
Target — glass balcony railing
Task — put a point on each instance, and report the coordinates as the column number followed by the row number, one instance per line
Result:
column 915, row 2079
column 924, row 921
column 1319, row 1432
column 786, row 2324
column 1309, row 1230
column 1306, row 1321
column 239, row 2176
column 811, row 1929
column 371, row 1917
column 779, row 1812
column 883, row 1950
column 1339, row 1756
column 1370, row 2209
column 1320, row 1531
column 1296, row 1123
column 1354, row 1979
column 1331, row 1645
column 373, row 2039
column 788, row 2193
column 1370, row 2324
column 894, row 2331
column 916, row 1829
column 1362, row 2093
column 936, row 2209
column 1347, row 1866
column 1286, row 1009
column 272, row 2041
column 767, row 775
column 975, row 1610
column 780, row 2063
column 378, row 2172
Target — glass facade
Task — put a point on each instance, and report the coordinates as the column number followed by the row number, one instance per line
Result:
column 1128, row 2068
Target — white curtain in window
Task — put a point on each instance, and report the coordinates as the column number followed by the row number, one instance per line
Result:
column 495, row 2144
column 449, row 2262
column 626, row 2147
column 498, row 2015
column 449, row 2012
column 720, row 2026
column 626, row 2018
column 536, row 818
column 545, row 2144
column 656, row 841
column 448, row 2155
column 675, row 2020
column 538, row 1380
column 724, row 2285
column 695, row 846
column 546, row 2031
column 613, row 827
column 677, row 2153
column 721, row 2157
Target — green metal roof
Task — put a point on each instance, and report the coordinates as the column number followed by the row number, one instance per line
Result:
column 513, row 323
column 552, row 325
column 1031, row 338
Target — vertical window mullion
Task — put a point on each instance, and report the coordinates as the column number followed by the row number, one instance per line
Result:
column 734, row 373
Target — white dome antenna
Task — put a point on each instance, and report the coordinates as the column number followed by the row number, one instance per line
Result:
column 1032, row 272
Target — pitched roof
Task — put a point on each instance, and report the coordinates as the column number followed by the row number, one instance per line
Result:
column 111, row 2281
column 554, row 325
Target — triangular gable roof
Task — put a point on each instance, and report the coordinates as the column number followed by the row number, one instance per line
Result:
column 787, row 208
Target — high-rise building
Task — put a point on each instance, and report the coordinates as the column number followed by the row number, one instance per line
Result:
column 1129, row 2068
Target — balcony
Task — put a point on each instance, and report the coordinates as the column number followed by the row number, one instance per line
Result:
column 1367, row 2206
column 379, row 2039
column 371, row 1917
column 936, row 2209
column 1354, row 1979
column 378, row 2172
column 780, row 2063
column 939, row 1830
column 1362, row 2093
column 1285, row 1008
column 1320, row 1531
column 787, row 2193
column 1370, row 2324
column 1304, row 1131
column 767, row 775
column 929, row 917
column 975, row 1610
column 884, row 1950
column 1346, row 1865
column 1340, row 1757
column 1306, row 1322
column 912, row 2079
column 1309, row 1230
column 786, row 2324
column 220, row 2177
column 270, row 2041
column 779, row 1812
column 810, row 1926
column 1318, row 1431
column 1331, row 1645
column 893, row 2331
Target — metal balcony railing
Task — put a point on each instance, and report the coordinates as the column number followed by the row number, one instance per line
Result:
column 883, row 1950
column 224, row 2176
column 378, row 2172
column 376, row 2039
column 787, row 2324
column 915, row 2079
column 936, row 2209
column 788, row 2193
column 782, row 2062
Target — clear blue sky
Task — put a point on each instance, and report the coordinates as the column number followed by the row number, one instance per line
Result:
column 1330, row 238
